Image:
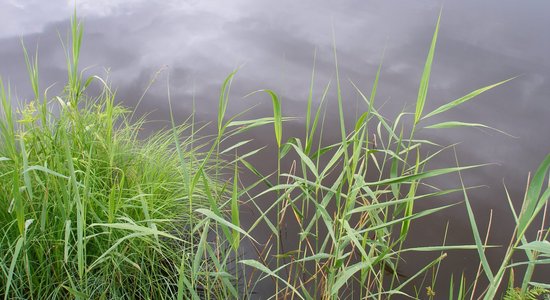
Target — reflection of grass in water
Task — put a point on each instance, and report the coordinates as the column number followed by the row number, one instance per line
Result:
column 90, row 211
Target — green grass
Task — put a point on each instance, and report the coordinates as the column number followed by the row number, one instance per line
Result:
column 353, row 205
column 89, row 210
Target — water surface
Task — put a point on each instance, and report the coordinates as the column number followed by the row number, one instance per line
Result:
column 197, row 43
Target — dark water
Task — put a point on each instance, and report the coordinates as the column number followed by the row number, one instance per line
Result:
column 200, row 42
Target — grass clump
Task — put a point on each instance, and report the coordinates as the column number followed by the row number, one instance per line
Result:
column 88, row 210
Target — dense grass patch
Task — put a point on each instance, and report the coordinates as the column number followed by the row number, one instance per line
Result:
column 87, row 209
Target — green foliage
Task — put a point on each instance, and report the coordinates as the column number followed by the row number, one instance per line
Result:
column 90, row 210
column 532, row 293
column 348, row 199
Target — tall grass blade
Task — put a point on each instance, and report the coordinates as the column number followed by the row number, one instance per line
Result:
column 463, row 99
column 453, row 124
column 422, row 175
column 532, row 199
column 222, row 221
column 475, row 232
column 543, row 247
column 32, row 70
column 66, row 244
column 277, row 115
column 425, row 79
column 347, row 273
column 257, row 265
column 235, row 219
column 16, row 252
column 224, row 99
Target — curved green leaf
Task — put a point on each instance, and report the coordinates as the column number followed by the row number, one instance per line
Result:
column 463, row 99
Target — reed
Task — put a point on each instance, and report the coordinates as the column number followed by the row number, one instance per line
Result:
column 354, row 202
column 90, row 210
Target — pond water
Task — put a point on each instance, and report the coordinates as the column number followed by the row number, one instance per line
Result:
column 198, row 43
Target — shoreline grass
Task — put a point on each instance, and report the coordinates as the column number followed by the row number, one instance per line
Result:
column 89, row 210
